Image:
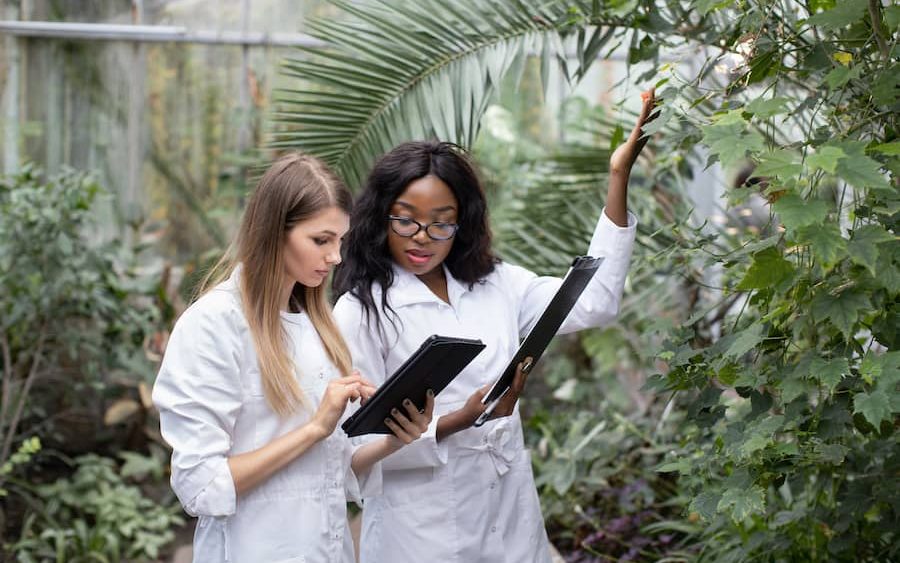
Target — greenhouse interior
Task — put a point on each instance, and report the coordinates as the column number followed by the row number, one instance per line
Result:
column 739, row 401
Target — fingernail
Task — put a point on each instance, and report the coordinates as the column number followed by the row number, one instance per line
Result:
column 387, row 420
column 406, row 402
column 430, row 393
column 395, row 411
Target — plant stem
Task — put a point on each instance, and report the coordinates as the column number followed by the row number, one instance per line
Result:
column 7, row 378
column 23, row 395
column 875, row 15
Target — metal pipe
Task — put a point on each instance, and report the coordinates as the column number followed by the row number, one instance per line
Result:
column 153, row 33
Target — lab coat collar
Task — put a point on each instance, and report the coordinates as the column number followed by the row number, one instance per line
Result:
column 408, row 289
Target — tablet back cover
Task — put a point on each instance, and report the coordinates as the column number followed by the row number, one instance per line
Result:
column 433, row 366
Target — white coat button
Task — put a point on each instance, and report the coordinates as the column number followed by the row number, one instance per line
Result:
column 493, row 528
column 493, row 485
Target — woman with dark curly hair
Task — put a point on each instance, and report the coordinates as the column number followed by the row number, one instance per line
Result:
column 417, row 262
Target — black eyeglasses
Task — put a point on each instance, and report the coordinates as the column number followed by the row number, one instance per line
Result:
column 406, row 227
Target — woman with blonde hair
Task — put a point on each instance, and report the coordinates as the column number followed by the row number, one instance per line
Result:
column 256, row 377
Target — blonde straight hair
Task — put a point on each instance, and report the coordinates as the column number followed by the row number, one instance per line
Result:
column 293, row 189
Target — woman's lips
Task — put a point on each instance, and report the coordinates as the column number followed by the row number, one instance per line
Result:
column 418, row 257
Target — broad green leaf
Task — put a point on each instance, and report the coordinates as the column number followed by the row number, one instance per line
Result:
column 826, row 158
column 892, row 16
column 816, row 5
column 761, row 434
column 743, row 503
column 863, row 245
column 860, row 171
column 746, row 340
column 841, row 75
column 793, row 387
column 707, row 6
column 730, row 140
column 781, row 163
column 884, row 369
column 874, row 406
column 682, row 466
column 705, row 504
column 769, row 268
column 825, row 241
column 764, row 109
column 884, row 90
column 830, row 373
column 796, row 213
column 843, row 14
column 870, row 368
column 842, row 310
column 831, row 453
column 891, row 149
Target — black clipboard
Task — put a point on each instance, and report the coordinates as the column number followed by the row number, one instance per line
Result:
column 582, row 270
column 433, row 366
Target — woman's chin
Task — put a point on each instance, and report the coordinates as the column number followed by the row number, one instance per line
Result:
column 313, row 281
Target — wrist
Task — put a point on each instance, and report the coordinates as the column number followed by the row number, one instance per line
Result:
column 317, row 430
column 453, row 422
column 390, row 445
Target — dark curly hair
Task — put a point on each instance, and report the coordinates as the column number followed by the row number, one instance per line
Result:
column 366, row 258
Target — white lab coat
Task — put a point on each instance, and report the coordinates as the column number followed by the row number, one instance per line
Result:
column 470, row 498
column 211, row 404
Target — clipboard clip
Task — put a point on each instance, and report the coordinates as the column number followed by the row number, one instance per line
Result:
column 486, row 415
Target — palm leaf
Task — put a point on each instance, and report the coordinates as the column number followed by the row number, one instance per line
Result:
column 396, row 70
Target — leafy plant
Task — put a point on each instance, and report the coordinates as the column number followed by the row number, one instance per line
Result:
column 72, row 327
column 95, row 515
column 396, row 71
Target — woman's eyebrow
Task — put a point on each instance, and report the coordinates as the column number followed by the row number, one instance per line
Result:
column 412, row 207
column 406, row 205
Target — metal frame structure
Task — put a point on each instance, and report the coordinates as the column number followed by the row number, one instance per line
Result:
column 153, row 34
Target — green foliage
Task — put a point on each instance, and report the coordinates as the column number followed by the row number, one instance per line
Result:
column 72, row 327
column 20, row 457
column 397, row 71
column 95, row 515
column 777, row 343
column 67, row 305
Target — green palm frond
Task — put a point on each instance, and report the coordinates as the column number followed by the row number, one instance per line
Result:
column 400, row 70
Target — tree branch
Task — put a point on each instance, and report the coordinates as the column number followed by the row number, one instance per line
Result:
column 7, row 378
column 875, row 16
column 23, row 396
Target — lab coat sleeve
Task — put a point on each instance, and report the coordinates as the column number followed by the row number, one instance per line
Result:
column 368, row 354
column 598, row 305
column 198, row 395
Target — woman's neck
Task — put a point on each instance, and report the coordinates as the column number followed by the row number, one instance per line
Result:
column 287, row 290
column 436, row 281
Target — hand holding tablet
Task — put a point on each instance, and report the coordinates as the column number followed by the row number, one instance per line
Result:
column 582, row 270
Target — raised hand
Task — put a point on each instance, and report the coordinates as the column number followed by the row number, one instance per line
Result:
column 623, row 159
column 626, row 154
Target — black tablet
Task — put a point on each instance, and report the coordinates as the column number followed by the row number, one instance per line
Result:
column 433, row 366
column 582, row 270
